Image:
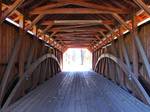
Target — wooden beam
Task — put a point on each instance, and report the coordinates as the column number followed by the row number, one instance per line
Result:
column 102, row 34
column 40, row 16
column 130, row 3
column 77, row 22
column 76, row 33
column 78, row 30
column 77, row 46
column 37, row 4
column 142, row 5
column 76, row 26
column 51, row 5
column 26, row 3
column 109, row 28
column 77, row 36
column 73, row 38
column 121, row 21
column 47, row 28
column 71, row 11
column 134, row 48
column 92, row 5
column 13, row 7
column 77, row 42
column 36, row 20
column 98, row 37
column 120, row 5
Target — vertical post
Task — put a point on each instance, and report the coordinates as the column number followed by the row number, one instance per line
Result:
column 122, row 75
column 0, row 31
column 47, row 74
column 93, row 60
column 52, row 67
column 22, row 53
column 134, row 49
column 116, row 67
column 30, row 56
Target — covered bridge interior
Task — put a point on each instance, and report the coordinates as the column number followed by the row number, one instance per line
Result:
column 34, row 34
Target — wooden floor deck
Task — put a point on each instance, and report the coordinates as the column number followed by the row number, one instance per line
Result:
column 78, row 92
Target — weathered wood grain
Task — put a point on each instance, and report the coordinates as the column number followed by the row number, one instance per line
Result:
column 78, row 92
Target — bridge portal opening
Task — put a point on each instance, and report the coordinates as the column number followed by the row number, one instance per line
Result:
column 77, row 59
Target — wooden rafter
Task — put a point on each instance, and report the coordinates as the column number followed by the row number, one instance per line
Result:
column 71, row 11
column 76, row 33
column 50, row 5
column 102, row 34
column 75, row 39
column 12, row 8
column 36, row 20
column 120, row 20
column 98, row 37
column 47, row 28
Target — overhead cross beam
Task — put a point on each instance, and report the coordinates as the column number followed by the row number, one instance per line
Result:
column 77, row 22
column 71, row 11
column 78, row 30
column 76, row 33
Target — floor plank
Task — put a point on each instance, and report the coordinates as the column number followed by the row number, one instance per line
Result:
column 78, row 92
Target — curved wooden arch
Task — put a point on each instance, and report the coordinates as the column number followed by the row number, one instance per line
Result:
column 39, row 61
column 128, row 72
column 29, row 71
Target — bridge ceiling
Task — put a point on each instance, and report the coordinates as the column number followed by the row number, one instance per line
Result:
column 77, row 23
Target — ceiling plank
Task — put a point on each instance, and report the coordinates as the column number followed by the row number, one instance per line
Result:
column 12, row 8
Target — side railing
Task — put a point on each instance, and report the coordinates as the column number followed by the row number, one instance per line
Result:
column 111, row 67
column 49, row 65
